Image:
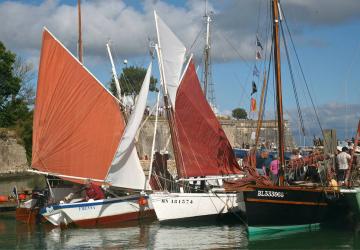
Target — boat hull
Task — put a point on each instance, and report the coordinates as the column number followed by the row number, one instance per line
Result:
column 284, row 206
column 107, row 212
column 189, row 207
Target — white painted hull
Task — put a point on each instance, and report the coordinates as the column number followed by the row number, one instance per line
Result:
column 188, row 206
column 99, row 212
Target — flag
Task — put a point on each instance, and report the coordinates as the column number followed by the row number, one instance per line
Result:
column 256, row 71
column 15, row 191
column 253, row 104
column 258, row 55
column 258, row 43
column 254, row 88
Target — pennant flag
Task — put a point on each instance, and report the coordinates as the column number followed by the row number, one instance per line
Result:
column 256, row 72
column 258, row 55
column 258, row 43
column 254, row 88
column 253, row 104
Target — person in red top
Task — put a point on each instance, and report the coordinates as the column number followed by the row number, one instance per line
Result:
column 93, row 191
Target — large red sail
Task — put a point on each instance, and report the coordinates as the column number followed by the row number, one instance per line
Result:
column 203, row 146
column 77, row 123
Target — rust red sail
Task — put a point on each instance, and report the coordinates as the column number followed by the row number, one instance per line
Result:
column 203, row 145
column 77, row 122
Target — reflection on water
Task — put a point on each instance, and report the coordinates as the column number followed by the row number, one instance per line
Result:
column 156, row 236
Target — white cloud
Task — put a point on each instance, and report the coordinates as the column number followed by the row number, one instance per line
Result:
column 128, row 27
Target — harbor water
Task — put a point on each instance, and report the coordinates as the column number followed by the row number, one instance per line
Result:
column 16, row 235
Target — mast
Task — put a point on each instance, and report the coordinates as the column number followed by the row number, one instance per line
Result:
column 279, row 105
column 80, row 47
column 207, row 50
column 208, row 86
column 117, row 84
column 168, row 109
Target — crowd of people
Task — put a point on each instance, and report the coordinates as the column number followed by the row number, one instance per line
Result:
column 268, row 164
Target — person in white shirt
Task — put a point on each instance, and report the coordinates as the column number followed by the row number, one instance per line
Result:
column 342, row 159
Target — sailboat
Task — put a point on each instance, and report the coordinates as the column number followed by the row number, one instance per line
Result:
column 79, row 133
column 202, row 151
column 283, row 206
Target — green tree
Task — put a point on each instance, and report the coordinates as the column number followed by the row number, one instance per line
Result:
column 239, row 113
column 9, row 87
column 16, row 97
column 131, row 80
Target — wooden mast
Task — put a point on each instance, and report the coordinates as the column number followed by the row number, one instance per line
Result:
column 261, row 109
column 279, row 105
column 80, row 47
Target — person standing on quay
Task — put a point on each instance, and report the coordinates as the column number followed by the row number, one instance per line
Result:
column 343, row 159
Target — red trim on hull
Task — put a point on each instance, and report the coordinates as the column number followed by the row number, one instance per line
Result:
column 27, row 215
column 124, row 219
column 288, row 202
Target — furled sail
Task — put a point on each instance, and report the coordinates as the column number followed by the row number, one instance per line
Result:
column 126, row 170
column 204, row 147
column 77, row 123
column 172, row 56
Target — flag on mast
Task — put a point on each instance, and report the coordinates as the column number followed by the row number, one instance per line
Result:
column 253, row 104
column 258, row 55
column 258, row 43
column 254, row 88
column 256, row 72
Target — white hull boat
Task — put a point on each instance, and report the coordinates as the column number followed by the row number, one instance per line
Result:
column 100, row 212
column 171, row 207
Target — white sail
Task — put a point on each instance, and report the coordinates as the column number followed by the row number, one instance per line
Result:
column 172, row 56
column 125, row 170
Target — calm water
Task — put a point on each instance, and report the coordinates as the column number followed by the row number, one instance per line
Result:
column 15, row 235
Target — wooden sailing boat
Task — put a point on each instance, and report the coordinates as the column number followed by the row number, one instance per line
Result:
column 200, row 146
column 283, row 206
column 79, row 133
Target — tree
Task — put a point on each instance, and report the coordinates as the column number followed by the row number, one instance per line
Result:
column 16, row 95
column 9, row 88
column 239, row 113
column 131, row 80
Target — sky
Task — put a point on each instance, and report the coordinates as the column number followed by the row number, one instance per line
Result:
column 326, row 36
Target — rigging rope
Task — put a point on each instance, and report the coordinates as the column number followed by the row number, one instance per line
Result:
column 303, row 75
column 293, row 81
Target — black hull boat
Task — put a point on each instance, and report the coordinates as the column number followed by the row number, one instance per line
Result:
column 287, row 207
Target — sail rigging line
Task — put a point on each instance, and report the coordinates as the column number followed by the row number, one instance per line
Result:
column 263, row 98
column 80, row 44
column 303, row 75
column 168, row 108
column 223, row 36
column 293, row 81
column 147, row 181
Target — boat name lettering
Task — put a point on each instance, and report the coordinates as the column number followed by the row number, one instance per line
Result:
column 267, row 193
column 87, row 208
column 177, row 201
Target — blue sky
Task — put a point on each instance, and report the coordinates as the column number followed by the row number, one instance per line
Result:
column 326, row 34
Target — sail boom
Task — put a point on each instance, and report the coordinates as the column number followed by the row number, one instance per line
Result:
column 64, row 176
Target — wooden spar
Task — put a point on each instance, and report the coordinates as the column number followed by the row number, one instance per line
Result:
column 168, row 108
column 279, row 105
column 80, row 47
column 356, row 142
column 261, row 109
